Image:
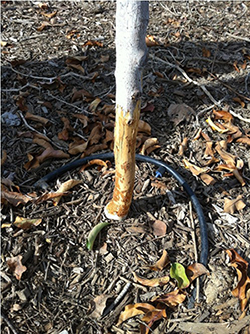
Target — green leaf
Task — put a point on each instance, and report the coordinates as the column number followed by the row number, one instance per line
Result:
column 178, row 272
column 94, row 233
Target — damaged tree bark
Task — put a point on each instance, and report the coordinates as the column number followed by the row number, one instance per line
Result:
column 131, row 54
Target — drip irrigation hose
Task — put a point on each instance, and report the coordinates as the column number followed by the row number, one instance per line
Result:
column 162, row 168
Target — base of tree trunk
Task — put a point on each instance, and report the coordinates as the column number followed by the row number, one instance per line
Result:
column 124, row 150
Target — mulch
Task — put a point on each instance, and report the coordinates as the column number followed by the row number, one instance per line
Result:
column 58, row 63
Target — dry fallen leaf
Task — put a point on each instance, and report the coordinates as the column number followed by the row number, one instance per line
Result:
column 208, row 179
column 195, row 270
column 151, row 317
column 35, row 161
column 64, row 187
column 159, row 228
column 13, row 197
column 216, row 127
column 94, row 104
column 97, row 162
column 132, row 310
column 100, row 305
column 161, row 263
column 242, row 290
column 36, row 118
column 151, row 41
column 153, row 282
column 183, row 147
column 172, row 298
column 26, row 223
column 195, row 170
column 64, row 134
column 144, row 127
column 43, row 25
column 15, row 265
column 230, row 206
column 4, row 157
column 80, row 95
column 93, row 43
column 149, row 143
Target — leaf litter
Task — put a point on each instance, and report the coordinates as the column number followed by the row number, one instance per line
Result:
column 51, row 279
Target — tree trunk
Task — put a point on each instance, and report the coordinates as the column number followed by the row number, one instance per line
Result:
column 131, row 54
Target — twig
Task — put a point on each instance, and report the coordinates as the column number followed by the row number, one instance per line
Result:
column 117, row 300
column 21, row 88
column 9, row 323
column 71, row 105
column 247, row 120
column 31, row 128
column 50, row 79
column 189, row 79
column 238, row 37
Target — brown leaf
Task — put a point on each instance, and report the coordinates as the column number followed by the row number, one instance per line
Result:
column 172, row 299
column 144, row 127
column 224, row 115
column 159, row 228
column 147, row 144
column 209, row 180
column 82, row 118
column 77, row 67
column 12, row 197
column 206, row 53
column 96, row 134
column 75, row 149
column 195, row 270
column 151, row 41
column 94, row 149
column 21, row 103
column 64, row 187
column 49, row 152
column 49, row 15
column 228, row 158
column 64, row 134
column 43, row 25
column 93, row 43
column 80, row 94
column 162, row 262
column 195, row 170
column 36, row 118
column 235, row 204
column 179, row 112
column 94, row 104
column 15, row 265
column 94, row 162
column 244, row 140
column 150, row 318
column 26, row 223
column 132, row 310
column 183, row 147
column 242, row 290
column 209, row 149
column 153, row 282
column 100, row 305
column 216, row 127
column 4, row 157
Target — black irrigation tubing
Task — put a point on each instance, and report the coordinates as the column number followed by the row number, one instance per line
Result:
column 162, row 168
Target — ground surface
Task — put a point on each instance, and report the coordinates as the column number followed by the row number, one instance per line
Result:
column 203, row 61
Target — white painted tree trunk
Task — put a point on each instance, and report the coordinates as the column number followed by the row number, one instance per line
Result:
column 131, row 54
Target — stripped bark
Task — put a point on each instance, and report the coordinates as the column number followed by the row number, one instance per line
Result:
column 131, row 54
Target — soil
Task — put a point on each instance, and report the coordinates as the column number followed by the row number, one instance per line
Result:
column 200, row 61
